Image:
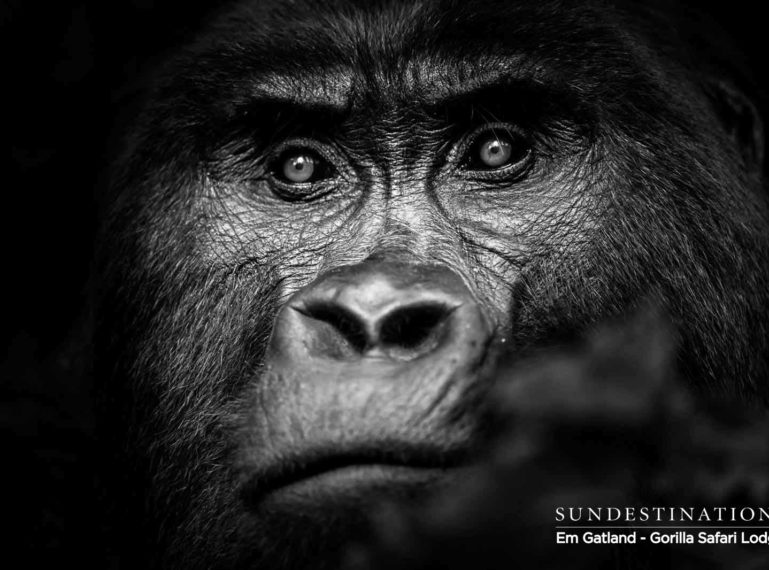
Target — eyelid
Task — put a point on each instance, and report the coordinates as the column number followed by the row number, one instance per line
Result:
column 297, row 143
column 494, row 128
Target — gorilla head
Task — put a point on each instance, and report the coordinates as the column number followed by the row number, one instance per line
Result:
column 328, row 217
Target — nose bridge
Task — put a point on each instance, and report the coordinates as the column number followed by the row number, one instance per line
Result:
column 414, row 227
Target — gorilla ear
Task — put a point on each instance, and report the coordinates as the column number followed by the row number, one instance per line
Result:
column 742, row 122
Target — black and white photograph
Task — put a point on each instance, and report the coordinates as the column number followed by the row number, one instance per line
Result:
column 385, row 284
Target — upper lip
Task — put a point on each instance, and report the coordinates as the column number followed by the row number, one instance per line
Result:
column 299, row 467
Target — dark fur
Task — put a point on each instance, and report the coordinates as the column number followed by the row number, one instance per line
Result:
column 666, row 203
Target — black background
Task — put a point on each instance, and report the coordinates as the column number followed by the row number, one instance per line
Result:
column 68, row 72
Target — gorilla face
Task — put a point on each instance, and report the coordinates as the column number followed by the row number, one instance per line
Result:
column 329, row 218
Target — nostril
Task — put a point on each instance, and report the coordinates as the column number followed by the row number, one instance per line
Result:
column 405, row 332
column 414, row 329
column 343, row 321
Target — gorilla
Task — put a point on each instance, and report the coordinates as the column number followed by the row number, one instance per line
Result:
column 336, row 232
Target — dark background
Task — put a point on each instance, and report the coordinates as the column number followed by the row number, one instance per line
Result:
column 69, row 72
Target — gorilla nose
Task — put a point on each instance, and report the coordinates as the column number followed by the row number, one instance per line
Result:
column 400, row 328
column 394, row 311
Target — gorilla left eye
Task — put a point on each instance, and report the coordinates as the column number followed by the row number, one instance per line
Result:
column 497, row 150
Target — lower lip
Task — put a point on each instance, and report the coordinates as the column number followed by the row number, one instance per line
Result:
column 357, row 483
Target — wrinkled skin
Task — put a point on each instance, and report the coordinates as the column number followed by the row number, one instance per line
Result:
column 280, row 353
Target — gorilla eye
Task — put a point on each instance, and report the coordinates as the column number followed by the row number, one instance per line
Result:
column 299, row 173
column 496, row 150
column 301, row 166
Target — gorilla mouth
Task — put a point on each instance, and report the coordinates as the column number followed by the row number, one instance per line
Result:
column 348, row 472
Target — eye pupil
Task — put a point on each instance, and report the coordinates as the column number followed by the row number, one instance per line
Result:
column 299, row 168
column 496, row 152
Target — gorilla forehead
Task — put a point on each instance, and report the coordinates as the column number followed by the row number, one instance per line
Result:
column 395, row 54
column 324, row 48
column 388, row 28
